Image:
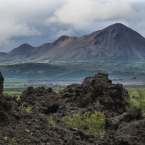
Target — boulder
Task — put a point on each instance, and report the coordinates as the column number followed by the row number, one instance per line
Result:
column 132, row 114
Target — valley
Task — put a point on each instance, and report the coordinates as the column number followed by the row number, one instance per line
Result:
column 19, row 76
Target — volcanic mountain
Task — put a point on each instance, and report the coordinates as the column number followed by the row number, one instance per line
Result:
column 115, row 42
column 21, row 52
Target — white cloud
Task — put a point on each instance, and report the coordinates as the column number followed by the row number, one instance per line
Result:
column 91, row 15
column 20, row 18
column 84, row 12
column 10, row 29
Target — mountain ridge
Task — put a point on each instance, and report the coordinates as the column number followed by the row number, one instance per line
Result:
column 115, row 42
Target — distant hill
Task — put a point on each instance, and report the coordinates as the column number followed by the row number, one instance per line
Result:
column 2, row 54
column 116, row 42
column 21, row 52
column 31, row 70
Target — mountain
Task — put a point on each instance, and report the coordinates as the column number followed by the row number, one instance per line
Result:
column 115, row 42
column 21, row 52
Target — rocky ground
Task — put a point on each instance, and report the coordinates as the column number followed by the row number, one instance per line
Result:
column 36, row 118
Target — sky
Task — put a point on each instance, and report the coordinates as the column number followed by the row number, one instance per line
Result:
column 42, row 21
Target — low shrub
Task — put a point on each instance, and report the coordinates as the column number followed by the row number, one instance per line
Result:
column 137, row 98
column 58, row 90
column 91, row 122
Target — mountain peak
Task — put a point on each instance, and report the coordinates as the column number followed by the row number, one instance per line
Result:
column 60, row 39
column 25, row 45
column 117, row 27
column 63, row 37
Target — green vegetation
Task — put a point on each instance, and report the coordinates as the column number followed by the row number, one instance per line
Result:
column 12, row 142
column 28, row 109
column 35, row 96
column 58, row 90
column 137, row 98
column 51, row 121
column 22, row 105
column 92, row 123
column 12, row 94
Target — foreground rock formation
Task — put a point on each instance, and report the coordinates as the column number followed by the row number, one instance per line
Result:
column 37, row 117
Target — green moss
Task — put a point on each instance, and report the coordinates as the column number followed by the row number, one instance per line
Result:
column 92, row 123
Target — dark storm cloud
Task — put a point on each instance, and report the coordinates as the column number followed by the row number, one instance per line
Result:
column 38, row 22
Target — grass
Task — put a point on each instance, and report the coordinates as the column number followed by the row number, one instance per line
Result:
column 12, row 94
column 91, row 122
column 137, row 98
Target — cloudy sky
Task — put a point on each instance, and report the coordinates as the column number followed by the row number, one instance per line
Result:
column 41, row 21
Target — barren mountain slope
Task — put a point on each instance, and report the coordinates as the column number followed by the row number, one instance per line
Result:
column 116, row 42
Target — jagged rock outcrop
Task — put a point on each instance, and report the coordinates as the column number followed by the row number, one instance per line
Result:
column 37, row 118
column 97, row 93
column 40, row 99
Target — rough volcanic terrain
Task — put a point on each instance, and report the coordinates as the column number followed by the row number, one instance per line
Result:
column 36, row 118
